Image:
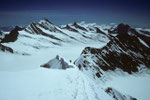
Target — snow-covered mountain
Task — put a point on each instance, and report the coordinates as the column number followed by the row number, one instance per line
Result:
column 57, row 63
column 93, row 56
column 44, row 34
column 127, row 51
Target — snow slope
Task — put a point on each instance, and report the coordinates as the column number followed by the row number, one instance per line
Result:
column 22, row 78
column 135, row 85
column 43, row 84
column 44, row 34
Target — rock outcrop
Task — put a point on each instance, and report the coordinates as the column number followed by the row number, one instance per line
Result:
column 127, row 52
column 57, row 63
column 6, row 49
column 12, row 36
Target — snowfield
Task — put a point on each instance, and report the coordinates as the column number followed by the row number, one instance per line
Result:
column 27, row 62
column 44, row 84
column 26, row 80
column 137, row 86
column 22, row 76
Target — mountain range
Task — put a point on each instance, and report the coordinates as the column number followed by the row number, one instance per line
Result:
column 91, row 57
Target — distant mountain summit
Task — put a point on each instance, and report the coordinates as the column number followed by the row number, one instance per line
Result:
column 45, row 34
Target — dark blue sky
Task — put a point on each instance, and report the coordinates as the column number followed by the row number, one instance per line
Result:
column 19, row 12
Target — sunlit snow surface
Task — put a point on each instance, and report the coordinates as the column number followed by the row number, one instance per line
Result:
column 44, row 84
column 137, row 86
column 22, row 78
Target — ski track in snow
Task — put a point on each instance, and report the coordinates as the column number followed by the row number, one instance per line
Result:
column 38, row 85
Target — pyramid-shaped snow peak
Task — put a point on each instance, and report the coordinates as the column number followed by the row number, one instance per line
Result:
column 57, row 63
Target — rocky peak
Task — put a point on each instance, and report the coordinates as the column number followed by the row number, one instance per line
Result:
column 18, row 28
column 70, row 28
column 124, row 52
column 76, row 25
column 12, row 36
column 117, row 95
column 122, row 28
column 99, row 31
column 57, row 63
column 45, row 20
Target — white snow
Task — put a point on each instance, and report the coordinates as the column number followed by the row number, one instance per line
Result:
column 57, row 63
column 22, row 78
column 136, row 86
column 143, row 42
column 44, row 84
column 38, row 57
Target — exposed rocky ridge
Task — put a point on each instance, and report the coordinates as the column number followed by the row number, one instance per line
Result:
column 99, row 31
column 57, row 63
column 117, row 96
column 70, row 28
column 122, row 29
column 44, row 24
column 12, row 36
column 33, row 29
column 79, row 27
column 5, row 48
column 127, row 51
column 1, row 35
column 45, row 32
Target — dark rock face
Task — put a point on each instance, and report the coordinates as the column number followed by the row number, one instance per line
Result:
column 79, row 27
column 1, row 36
column 4, row 48
column 57, row 63
column 99, row 31
column 145, row 36
column 125, row 52
column 122, row 28
column 12, row 36
column 39, row 31
column 70, row 28
column 117, row 95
